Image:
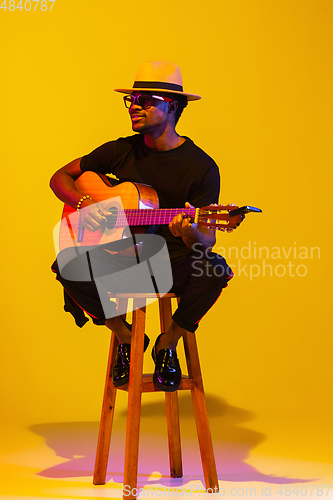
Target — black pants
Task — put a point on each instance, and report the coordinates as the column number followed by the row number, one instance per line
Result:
column 199, row 279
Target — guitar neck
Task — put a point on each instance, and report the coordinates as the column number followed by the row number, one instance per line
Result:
column 151, row 217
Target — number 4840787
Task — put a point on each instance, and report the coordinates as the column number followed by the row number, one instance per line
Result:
column 27, row 5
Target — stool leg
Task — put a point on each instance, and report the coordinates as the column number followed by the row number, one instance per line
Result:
column 171, row 401
column 200, row 413
column 109, row 400
column 105, row 427
column 175, row 452
column 134, row 400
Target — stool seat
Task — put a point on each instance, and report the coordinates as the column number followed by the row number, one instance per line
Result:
column 139, row 383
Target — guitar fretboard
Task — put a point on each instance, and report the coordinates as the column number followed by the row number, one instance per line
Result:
column 147, row 217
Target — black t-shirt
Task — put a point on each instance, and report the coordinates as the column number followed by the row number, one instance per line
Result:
column 185, row 173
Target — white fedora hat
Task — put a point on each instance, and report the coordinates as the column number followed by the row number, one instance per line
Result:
column 159, row 76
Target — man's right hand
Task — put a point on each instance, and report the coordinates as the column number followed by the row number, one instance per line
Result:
column 94, row 214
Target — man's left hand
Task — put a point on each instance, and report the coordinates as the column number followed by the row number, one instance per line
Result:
column 181, row 225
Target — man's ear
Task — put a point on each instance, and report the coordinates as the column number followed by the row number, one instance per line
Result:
column 173, row 105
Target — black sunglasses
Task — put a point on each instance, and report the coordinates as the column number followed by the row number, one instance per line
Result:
column 143, row 100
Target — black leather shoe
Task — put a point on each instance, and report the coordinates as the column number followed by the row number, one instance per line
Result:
column 167, row 374
column 120, row 372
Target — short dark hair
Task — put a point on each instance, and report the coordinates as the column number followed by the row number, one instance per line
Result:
column 182, row 103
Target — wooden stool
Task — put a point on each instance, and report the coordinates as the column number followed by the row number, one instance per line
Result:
column 138, row 384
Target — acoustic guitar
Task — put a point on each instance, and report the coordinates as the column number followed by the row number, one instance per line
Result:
column 137, row 206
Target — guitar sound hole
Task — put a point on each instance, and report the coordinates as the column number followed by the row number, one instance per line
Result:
column 112, row 218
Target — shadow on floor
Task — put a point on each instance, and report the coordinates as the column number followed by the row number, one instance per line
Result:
column 76, row 442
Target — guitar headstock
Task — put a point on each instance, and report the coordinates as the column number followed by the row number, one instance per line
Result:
column 223, row 217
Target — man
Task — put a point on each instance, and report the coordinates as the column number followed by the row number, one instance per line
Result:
column 182, row 175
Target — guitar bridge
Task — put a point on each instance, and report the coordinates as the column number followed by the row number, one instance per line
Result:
column 196, row 217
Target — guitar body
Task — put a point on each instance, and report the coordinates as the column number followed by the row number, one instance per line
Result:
column 98, row 186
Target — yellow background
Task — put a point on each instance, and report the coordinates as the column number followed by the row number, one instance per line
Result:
column 264, row 70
